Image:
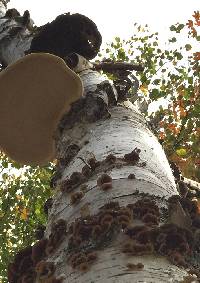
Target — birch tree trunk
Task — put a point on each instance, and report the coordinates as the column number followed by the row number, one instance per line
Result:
column 110, row 166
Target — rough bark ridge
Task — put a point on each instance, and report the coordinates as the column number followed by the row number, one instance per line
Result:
column 108, row 219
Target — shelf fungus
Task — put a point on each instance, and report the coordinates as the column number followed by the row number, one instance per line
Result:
column 35, row 92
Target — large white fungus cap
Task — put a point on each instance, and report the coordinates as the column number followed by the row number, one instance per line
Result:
column 35, row 92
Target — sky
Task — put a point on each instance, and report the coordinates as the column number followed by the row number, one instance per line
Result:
column 113, row 17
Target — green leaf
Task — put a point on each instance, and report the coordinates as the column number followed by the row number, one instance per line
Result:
column 190, row 80
column 179, row 27
column 181, row 152
column 178, row 55
column 172, row 28
column 117, row 39
column 188, row 47
column 156, row 81
column 155, row 94
column 173, row 39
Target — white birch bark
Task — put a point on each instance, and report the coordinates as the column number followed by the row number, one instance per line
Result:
column 15, row 38
column 125, row 130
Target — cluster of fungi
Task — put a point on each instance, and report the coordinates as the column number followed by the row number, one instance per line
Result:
column 140, row 222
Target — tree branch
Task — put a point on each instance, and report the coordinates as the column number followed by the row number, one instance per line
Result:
column 111, row 67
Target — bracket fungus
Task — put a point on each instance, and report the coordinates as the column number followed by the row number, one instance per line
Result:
column 35, row 92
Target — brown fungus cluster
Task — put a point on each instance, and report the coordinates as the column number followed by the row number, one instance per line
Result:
column 111, row 159
column 44, row 270
column 168, row 239
column 76, row 179
column 22, row 268
column 135, row 267
column 57, row 235
column 39, row 231
column 131, row 176
column 38, row 250
column 76, row 197
column 133, row 157
column 93, row 166
column 97, row 228
column 146, row 210
column 93, row 163
column 30, row 263
column 81, row 260
column 104, row 182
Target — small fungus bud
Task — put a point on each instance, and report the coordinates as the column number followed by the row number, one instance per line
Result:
column 104, row 178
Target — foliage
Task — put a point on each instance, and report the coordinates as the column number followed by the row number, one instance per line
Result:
column 172, row 76
column 21, row 207
column 171, row 73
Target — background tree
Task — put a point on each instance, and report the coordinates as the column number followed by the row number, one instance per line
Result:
column 18, row 197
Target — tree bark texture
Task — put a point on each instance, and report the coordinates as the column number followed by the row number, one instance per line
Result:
column 124, row 130
column 15, row 36
column 108, row 161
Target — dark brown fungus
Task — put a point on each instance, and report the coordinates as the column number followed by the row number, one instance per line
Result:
column 135, row 267
column 96, row 231
column 123, row 220
column 44, row 270
column 86, row 171
column 107, row 218
column 127, row 247
column 84, row 267
column 111, row 159
column 104, row 178
column 93, row 163
column 134, row 248
column 57, row 235
column 131, row 176
column 111, row 205
column 106, row 186
column 77, row 178
column 177, row 258
column 91, row 257
column 79, row 260
column 39, row 232
column 66, row 186
column 150, row 218
column 133, row 157
column 22, row 265
column 183, row 189
column 133, row 232
column 76, row 197
column 38, row 251
column 71, row 183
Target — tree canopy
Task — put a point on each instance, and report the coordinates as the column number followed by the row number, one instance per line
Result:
column 169, row 86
